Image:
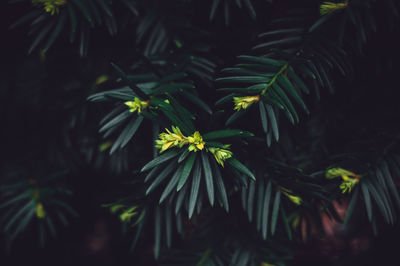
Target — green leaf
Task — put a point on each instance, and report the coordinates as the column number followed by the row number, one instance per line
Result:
column 275, row 210
column 133, row 127
column 84, row 10
column 250, row 199
column 390, row 183
column 164, row 173
column 172, row 184
column 243, row 79
column 56, row 31
column 263, row 115
column 379, row 201
column 116, row 120
column 240, row 167
column 197, row 101
column 183, row 156
column 24, row 195
column 226, row 133
column 208, row 177
column 180, row 198
column 226, row 98
column 157, row 232
column 186, row 171
column 24, row 210
column 272, row 119
column 319, row 22
column 160, row 159
column 279, row 42
column 285, row 82
column 195, row 188
column 286, row 100
column 168, row 225
column 221, row 188
column 292, row 74
column 152, row 173
column 352, row 205
column 24, row 222
column 267, row 198
column 260, row 201
column 234, row 116
column 131, row 85
column 286, row 223
column 40, row 37
column 127, row 134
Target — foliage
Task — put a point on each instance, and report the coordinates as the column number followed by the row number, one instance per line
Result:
column 219, row 178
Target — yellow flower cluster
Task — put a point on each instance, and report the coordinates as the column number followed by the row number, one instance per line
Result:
column 350, row 179
column 177, row 139
column 244, row 102
column 50, row 6
column 220, row 154
column 136, row 105
column 329, row 7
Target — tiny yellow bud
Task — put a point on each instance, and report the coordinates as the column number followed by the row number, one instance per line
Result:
column 337, row 171
column 101, row 79
column 50, row 6
column 105, row 145
column 220, row 155
column 293, row 198
column 127, row 215
column 115, row 208
column 40, row 213
column 244, row 102
column 136, row 105
column 329, row 7
column 348, row 185
column 350, row 179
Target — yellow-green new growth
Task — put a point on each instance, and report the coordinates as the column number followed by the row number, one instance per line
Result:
column 127, row 215
column 220, row 154
column 350, row 179
column 136, row 105
column 244, row 102
column 195, row 142
column 40, row 213
column 348, row 185
column 50, row 6
column 329, row 7
column 170, row 139
column 293, row 198
column 177, row 139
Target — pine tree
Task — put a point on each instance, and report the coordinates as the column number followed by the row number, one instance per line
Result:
column 221, row 132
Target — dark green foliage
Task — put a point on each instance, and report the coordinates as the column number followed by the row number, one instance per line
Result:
column 209, row 177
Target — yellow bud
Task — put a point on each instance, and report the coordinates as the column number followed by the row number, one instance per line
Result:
column 105, row 145
column 136, row 105
column 50, row 6
column 295, row 199
column 101, row 79
column 329, row 7
column 127, row 215
column 288, row 193
column 220, row 155
column 336, row 172
column 348, row 185
column 244, row 102
column 40, row 213
column 116, row 208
